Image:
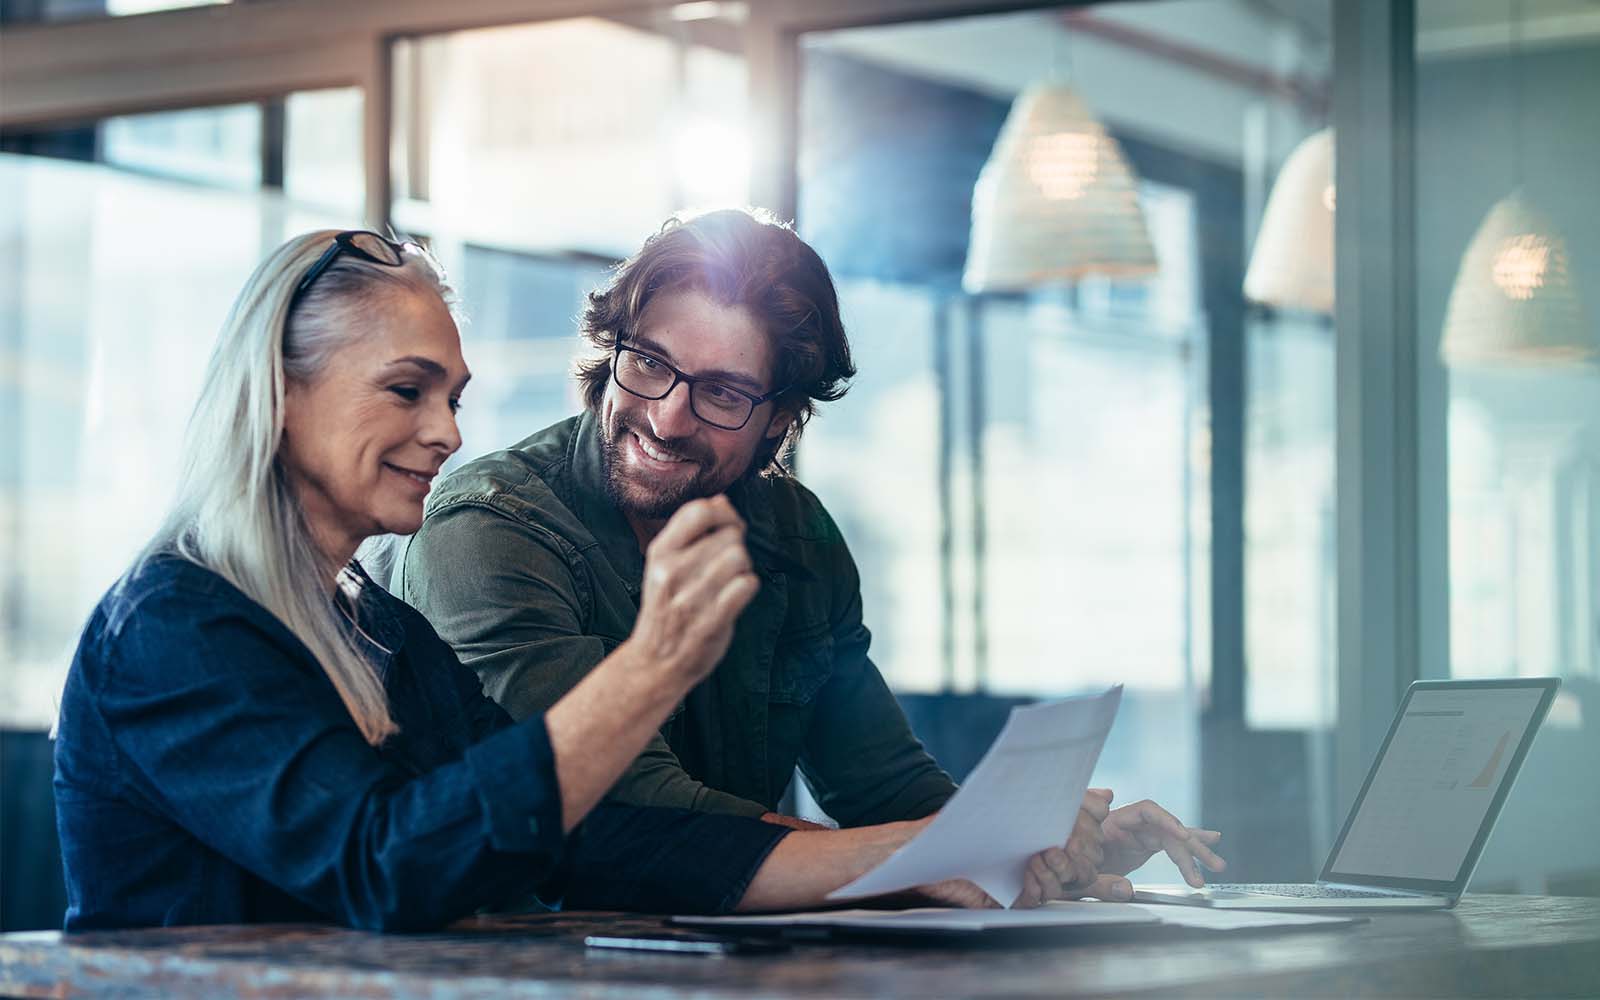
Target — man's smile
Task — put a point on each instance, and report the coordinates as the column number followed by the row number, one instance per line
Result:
column 656, row 452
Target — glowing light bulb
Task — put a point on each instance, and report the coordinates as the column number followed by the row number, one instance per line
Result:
column 1063, row 164
column 1521, row 264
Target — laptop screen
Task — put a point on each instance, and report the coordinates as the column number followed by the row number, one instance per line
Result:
column 1445, row 762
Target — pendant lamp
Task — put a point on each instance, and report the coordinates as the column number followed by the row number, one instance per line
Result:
column 1513, row 299
column 1291, row 266
column 1055, row 201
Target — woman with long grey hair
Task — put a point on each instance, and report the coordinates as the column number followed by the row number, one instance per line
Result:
column 252, row 730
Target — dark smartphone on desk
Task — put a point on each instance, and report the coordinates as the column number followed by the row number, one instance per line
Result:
column 690, row 944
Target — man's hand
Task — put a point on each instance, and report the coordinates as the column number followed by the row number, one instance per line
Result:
column 1132, row 834
column 697, row 579
column 1074, row 871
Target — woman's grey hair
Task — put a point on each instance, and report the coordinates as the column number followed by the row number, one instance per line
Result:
column 235, row 512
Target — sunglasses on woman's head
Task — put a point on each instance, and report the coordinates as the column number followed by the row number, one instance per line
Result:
column 360, row 243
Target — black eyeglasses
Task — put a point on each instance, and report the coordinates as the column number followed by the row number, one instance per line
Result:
column 717, row 403
column 362, row 243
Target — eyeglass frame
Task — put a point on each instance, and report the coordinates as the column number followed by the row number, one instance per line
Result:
column 691, row 381
column 345, row 243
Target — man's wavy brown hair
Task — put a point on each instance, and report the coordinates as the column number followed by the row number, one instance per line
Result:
column 737, row 257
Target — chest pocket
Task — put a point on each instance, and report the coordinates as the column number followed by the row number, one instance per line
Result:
column 800, row 668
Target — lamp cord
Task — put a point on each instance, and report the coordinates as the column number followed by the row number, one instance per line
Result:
column 1518, row 107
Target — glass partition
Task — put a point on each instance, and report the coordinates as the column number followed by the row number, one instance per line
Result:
column 1095, row 478
column 119, row 271
column 24, row 11
column 533, row 156
column 1508, row 244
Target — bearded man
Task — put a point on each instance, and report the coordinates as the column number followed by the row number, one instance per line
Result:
column 713, row 345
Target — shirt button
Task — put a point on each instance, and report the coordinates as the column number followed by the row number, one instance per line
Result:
column 533, row 827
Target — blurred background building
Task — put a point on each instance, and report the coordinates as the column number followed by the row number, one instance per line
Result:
column 1310, row 412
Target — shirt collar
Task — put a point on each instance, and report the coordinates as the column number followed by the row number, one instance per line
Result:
column 595, row 508
column 379, row 629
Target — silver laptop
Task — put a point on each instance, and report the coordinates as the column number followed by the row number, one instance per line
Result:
column 1415, row 833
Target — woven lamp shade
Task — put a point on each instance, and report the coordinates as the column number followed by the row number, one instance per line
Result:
column 1513, row 300
column 1055, row 201
column 1291, row 266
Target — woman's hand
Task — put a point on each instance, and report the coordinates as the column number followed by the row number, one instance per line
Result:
column 697, row 579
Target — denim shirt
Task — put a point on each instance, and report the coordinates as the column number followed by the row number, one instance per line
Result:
column 208, row 772
column 533, row 575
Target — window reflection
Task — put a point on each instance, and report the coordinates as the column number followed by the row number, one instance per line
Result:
column 533, row 157
column 218, row 147
column 1508, row 260
column 112, row 300
column 22, row 11
column 561, row 136
column 1033, row 480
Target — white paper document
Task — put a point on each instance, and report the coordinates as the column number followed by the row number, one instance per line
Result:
column 1202, row 918
column 933, row 918
column 1061, row 913
column 1022, row 797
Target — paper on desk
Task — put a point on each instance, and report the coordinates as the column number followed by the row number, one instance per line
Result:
column 1204, row 918
column 1021, row 798
column 930, row 918
column 1060, row 913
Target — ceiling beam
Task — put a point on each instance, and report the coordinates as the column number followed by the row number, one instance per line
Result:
column 79, row 71
column 1311, row 95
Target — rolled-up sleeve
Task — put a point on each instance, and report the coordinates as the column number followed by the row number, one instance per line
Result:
column 230, row 730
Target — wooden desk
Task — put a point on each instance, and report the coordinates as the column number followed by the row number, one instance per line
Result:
column 1489, row 945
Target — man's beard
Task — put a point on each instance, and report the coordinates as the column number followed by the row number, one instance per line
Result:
column 655, row 501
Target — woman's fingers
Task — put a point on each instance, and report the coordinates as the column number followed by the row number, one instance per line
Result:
column 692, row 520
column 698, row 578
column 712, row 563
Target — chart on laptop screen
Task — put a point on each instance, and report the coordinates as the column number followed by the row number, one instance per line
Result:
column 1437, row 780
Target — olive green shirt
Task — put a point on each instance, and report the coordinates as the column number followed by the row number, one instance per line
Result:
column 525, row 566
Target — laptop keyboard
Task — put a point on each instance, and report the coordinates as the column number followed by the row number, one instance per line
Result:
column 1303, row 890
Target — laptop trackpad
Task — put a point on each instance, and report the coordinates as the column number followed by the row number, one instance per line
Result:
column 1184, row 892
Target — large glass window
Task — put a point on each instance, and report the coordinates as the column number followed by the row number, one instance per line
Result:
column 1100, row 478
column 19, row 11
column 118, row 272
column 533, row 156
column 1508, row 243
